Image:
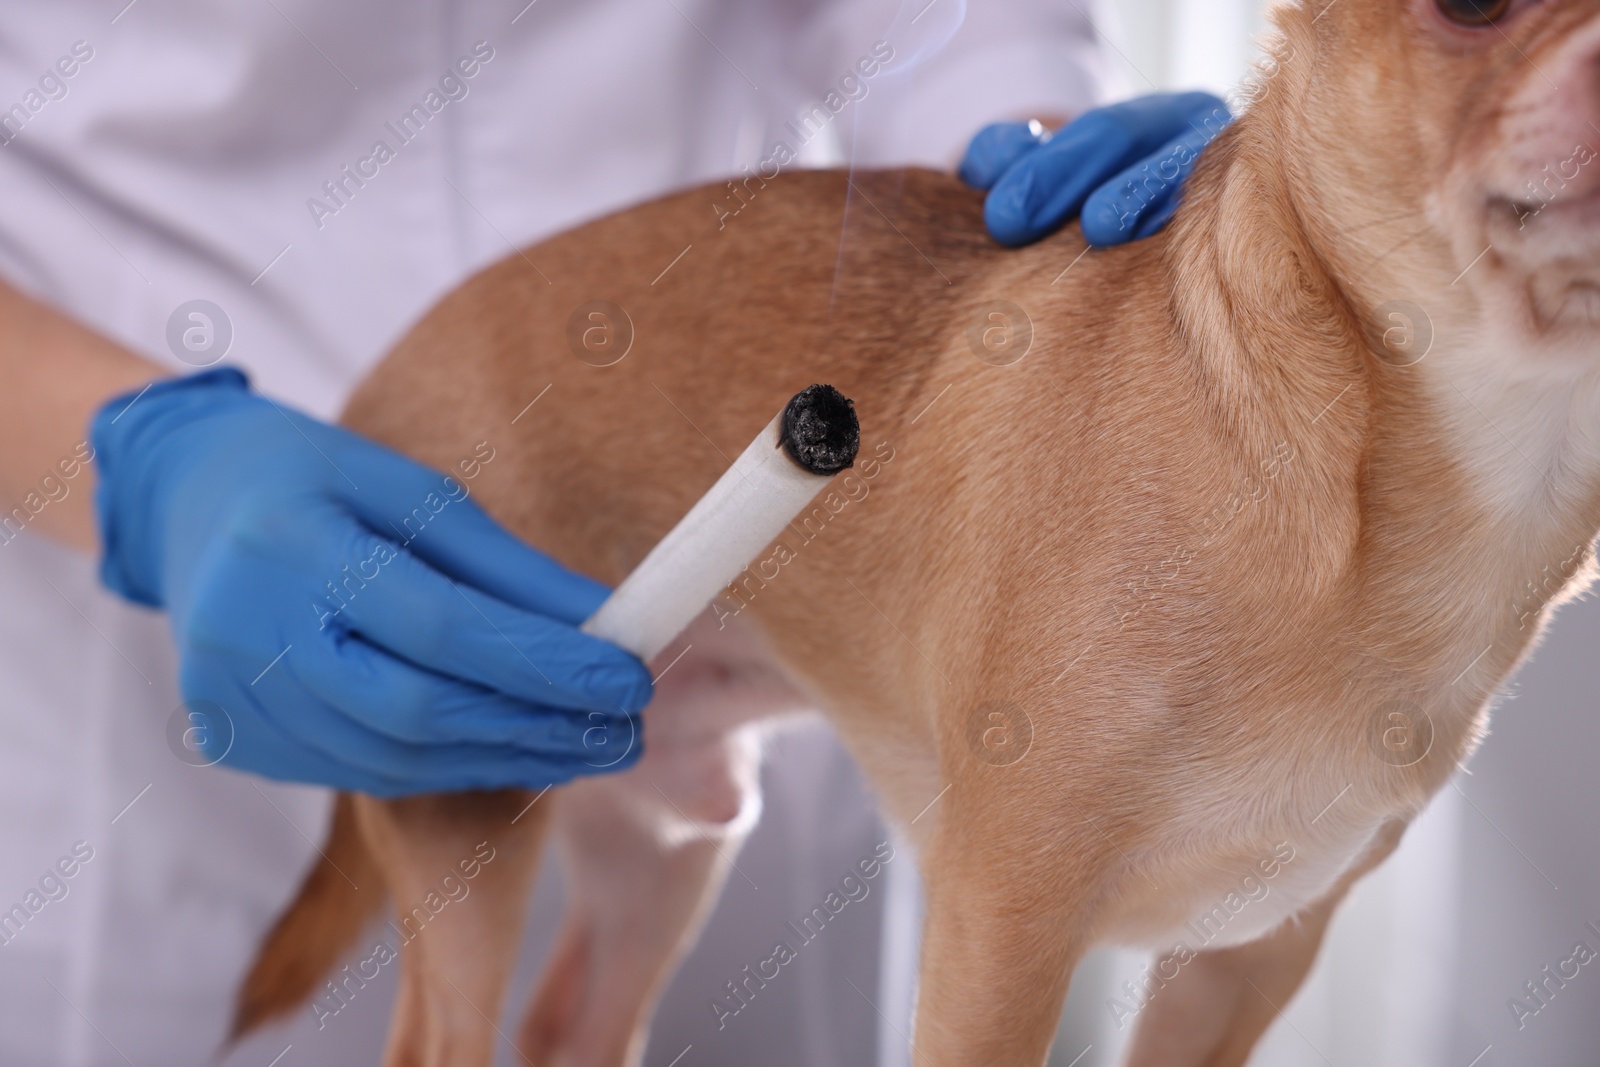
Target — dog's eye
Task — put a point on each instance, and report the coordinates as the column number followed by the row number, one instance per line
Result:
column 1474, row 12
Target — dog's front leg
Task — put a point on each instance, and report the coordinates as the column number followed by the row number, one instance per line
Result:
column 460, row 868
column 1009, row 888
column 1223, row 1000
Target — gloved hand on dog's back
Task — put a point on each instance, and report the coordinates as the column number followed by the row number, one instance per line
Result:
column 327, row 595
column 1121, row 167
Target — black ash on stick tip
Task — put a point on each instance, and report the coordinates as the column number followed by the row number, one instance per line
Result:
column 820, row 431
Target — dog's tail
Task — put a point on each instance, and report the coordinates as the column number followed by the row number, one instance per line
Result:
column 344, row 888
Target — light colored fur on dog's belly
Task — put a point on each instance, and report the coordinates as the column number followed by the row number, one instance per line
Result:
column 730, row 677
column 1227, row 913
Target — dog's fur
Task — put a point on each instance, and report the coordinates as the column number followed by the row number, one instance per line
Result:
column 1209, row 535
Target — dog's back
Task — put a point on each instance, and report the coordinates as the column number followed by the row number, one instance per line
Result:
column 1047, row 422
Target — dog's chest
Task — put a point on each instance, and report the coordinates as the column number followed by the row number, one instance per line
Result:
column 1283, row 881
column 1253, row 848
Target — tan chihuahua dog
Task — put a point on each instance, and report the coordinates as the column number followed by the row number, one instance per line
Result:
column 1185, row 567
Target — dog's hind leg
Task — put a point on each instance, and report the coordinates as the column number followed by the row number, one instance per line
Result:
column 459, row 869
column 1223, row 1000
column 644, row 855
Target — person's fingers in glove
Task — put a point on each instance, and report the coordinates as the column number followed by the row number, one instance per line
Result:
column 342, row 754
column 350, row 616
column 339, row 694
column 410, row 705
column 461, row 541
column 373, row 586
column 396, row 721
column 997, row 148
column 1124, row 150
column 1142, row 199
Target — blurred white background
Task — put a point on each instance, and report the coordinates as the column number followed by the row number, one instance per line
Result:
column 1182, row 44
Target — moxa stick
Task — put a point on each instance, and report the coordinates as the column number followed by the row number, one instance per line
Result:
column 813, row 438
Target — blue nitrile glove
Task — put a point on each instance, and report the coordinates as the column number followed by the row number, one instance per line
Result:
column 1120, row 167
column 328, row 595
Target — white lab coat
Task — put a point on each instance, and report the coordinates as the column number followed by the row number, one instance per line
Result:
column 181, row 159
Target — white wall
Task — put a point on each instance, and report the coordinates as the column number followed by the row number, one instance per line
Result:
column 1182, row 44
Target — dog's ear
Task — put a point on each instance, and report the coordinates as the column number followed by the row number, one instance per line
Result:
column 315, row 931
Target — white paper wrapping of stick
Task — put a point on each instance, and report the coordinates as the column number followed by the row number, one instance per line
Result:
column 740, row 515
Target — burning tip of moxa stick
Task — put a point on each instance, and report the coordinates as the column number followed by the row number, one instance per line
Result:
column 819, row 430
column 814, row 437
